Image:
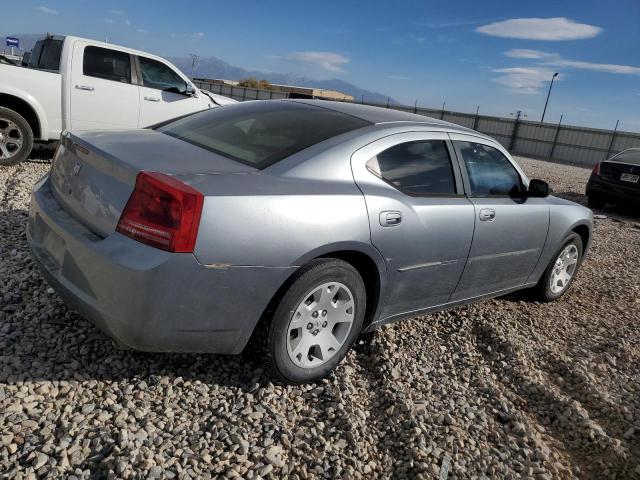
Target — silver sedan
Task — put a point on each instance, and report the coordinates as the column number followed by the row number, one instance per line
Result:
column 291, row 227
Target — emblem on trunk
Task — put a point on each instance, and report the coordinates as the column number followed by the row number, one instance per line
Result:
column 76, row 168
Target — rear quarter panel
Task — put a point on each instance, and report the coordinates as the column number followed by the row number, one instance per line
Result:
column 41, row 90
column 263, row 220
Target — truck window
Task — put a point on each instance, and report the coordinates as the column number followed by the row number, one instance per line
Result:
column 158, row 75
column 106, row 63
column 46, row 55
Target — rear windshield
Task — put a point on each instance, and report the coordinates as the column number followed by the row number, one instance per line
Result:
column 46, row 55
column 631, row 156
column 261, row 133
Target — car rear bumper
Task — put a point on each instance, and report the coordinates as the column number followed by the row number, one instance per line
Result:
column 145, row 298
column 612, row 191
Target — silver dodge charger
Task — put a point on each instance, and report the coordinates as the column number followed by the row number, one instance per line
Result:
column 290, row 227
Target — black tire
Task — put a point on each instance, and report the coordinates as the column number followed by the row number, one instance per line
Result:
column 596, row 201
column 544, row 285
column 21, row 129
column 273, row 341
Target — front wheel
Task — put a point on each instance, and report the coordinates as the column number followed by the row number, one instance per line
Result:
column 16, row 137
column 562, row 270
column 316, row 322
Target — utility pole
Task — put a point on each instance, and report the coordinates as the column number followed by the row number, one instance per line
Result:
column 194, row 64
column 548, row 95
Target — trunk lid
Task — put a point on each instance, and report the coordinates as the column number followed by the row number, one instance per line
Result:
column 94, row 173
column 624, row 174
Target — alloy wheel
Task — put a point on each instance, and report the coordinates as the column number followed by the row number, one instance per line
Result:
column 564, row 269
column 320, row 325
column 11, row 139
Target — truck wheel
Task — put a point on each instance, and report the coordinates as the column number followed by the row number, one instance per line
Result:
column 16, row 137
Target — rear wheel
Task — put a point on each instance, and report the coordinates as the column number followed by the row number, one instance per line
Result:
column 596, row 201
column 16, row 137
column 316, row 322
column 562, row 270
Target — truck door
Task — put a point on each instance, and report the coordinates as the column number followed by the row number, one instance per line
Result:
column 164, row 94
column 101, row 91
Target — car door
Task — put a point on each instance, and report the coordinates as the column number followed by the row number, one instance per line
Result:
column 510, row 229
column 163, row 93
column 419, row 218
column 102, row 92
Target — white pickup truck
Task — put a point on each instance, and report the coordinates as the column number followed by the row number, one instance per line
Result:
column 77, row 84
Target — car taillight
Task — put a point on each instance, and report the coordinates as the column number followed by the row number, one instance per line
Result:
column 596, row 170
column 162, row 212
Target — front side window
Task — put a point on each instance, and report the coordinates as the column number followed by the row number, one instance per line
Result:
column 106, row 63
column 416, row 168
column 490, row 172
column 159, row 76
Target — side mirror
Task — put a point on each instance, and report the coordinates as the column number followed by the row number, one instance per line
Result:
column 538, row 188
column 190, row 90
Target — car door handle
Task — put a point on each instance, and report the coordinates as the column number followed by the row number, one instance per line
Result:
column 390, row 219
column 85, row 87
column 487, row 214
column 152, row 99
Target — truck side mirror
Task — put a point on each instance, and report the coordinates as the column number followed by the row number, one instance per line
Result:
column 190, row 90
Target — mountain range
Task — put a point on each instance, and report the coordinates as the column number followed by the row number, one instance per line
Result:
column 214, row 67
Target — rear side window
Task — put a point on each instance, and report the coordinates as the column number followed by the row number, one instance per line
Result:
column 490, row 172
column 417, row 168
column 158, row 75
column 46, row 55
column 106, row 63
column 262, row 133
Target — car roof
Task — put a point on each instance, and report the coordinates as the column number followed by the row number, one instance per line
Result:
column 379, row 115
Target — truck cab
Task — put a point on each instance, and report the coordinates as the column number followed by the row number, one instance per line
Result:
column 72, row 83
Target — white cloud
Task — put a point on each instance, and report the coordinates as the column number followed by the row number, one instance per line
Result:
column 328, row 60
column 524, row 53
column 141, row 30
column 398, row 77
column 555, row 60
column 127, row 22
column 48, row 10
column 197, row 35
column 528, row 80
column 108, row 20
column 119, row 13
column 556, row 28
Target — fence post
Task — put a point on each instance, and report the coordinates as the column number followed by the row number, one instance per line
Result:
column 388, row 102
column 555, row 138
column 613, row 137
column 442, row 111
column 244, row 92
column 475, row 120
column 514, row 132
column 415, row 107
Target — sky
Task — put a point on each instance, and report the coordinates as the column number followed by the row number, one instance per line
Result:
column 497, row 55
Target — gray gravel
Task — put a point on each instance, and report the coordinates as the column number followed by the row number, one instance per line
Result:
column 506, row 388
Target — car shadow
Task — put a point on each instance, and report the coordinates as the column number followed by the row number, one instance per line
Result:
column 43, row 152
column 597, row 425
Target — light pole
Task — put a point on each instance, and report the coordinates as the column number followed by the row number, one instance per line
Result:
column 548, row 95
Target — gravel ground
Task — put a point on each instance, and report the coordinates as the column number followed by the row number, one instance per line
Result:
column 507, row 388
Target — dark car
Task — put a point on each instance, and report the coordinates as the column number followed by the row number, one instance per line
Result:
column 616, row 180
